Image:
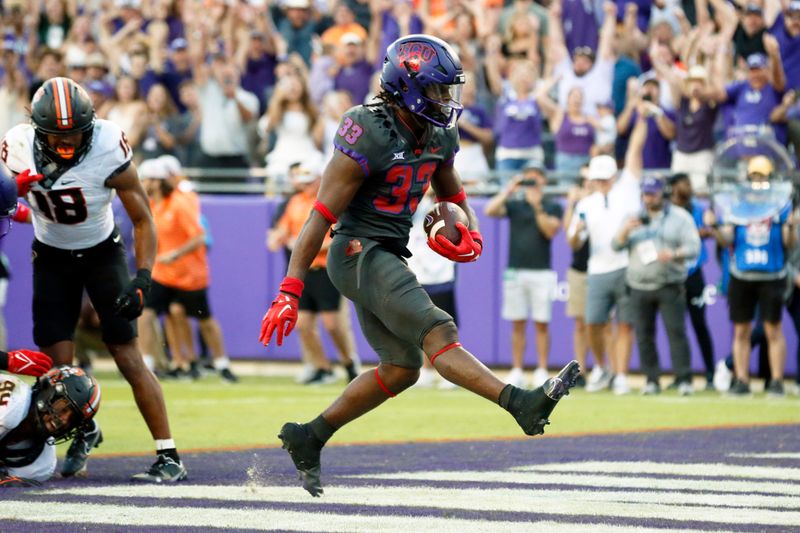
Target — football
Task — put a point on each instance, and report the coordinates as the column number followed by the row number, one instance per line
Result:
column 441, row 220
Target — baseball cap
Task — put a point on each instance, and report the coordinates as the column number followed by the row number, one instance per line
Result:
column 754, row 9
column 152, row 169
column 179, row 43
column 648, row 77
column 583, row 51
column 602, row 167
column 652, row 185
column 760, row 165
column 535, row 166
column 296, row 4
column 697, row 72
column 677, row 178
column 306, row 172
column 350, row 38
column 172, row 166
column 96, row 59
column 756, row 61
column 794, row 5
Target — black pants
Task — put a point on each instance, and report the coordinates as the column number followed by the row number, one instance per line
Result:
column 670, row 302
column 695, row 284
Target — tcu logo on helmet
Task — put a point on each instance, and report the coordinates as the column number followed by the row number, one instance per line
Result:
column 412, row 54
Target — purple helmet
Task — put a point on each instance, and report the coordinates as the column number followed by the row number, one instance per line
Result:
column 424, row 75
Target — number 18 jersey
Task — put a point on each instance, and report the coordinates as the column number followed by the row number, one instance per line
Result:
column 75, row 212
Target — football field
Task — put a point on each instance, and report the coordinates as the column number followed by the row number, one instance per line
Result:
column 434, row 460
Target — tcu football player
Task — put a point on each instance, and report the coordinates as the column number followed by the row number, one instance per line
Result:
column 387, row 154
column 33, row 421
column 69, row 166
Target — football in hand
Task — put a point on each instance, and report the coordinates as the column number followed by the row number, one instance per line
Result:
column 441, row 220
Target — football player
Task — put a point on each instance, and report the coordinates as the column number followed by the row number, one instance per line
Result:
column 69, row 165
column 387, row 154
column 33, row 420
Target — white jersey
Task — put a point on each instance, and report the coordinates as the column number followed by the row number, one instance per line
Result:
column 76, row 212
column 15, row 400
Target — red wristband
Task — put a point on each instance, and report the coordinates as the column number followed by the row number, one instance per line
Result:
column 21, row 214
column 325, row 212
column 457, row 198
column 292, row 286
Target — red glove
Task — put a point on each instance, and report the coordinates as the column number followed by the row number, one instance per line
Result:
column 25, row 180
column 282, row 314
column 22, row 213
column 29, row 363
column 467, row 250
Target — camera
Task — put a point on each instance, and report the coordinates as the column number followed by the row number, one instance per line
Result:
column 529, row 183
column 644, row 218
column 647, row 97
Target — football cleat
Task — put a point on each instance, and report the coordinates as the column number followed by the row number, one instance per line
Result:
column 164, row 470
column 535, row 406
column 78, row 452
column 304, row 450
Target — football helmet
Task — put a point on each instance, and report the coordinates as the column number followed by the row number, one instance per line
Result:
column 82, row 395
column 424, row 75
column 62, row 107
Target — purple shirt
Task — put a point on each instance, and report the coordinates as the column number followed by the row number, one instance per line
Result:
column 695, row 130
column 790, row 52
column 642, row 16
column 259, row 77
column 355, row 80
column 477, row 116
column 391, row 32
column 752, row 107
column 575, row 139
column 580, row 24
column 657, row 152
column 518, row 123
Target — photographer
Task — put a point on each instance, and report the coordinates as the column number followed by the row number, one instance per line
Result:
column 644, row 102
column 529, row 279
column 661, row 242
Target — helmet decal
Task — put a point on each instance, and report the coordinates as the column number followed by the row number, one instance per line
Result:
column 63, row 103
column 414, row 53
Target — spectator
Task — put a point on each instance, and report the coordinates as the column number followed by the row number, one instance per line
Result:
column 576, row 275
column 49, row 64
column 592, row 72
column 176, row 70
column 320, row 297
column 579, row 23
column 163, row 124
column 695, row 116
column 660, row 241
column 749, row 36
column 518, row 121
column 605, row 129
column 786, row 31
column 257, row 63
column 521, row 39
column 96, row 67
column 475, row 133
column 344, row 22
column 291, row 116
column 600, row 215
column 351, row 71
column 55, row 22
column 681, row 195
column 225, row 109
column 189, row 152
column 390, row 21
column 573, row 130
column 128, row 111
column 13, row 88
column 298, row 28
column 657, row 152
column 757, row 277
column 334, row 106
column 529, row 278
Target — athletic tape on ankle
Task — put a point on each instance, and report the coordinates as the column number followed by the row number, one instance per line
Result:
column 323, row 210
column 383, row 386
column 446, row 348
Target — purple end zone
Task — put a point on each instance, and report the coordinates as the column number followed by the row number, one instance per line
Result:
column 340, row 462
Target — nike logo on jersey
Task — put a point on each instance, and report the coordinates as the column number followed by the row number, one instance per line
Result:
column 398, row 155
column 67, row 182
column 285, row 308
column 436, row 150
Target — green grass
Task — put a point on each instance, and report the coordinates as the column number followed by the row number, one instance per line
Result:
column 209, row 414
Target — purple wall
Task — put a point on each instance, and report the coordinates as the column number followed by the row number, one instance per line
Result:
column 245, row 276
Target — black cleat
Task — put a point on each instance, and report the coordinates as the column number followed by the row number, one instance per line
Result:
column 533, row 407
column 304, row 449
column 164, row 470
column 78, row 453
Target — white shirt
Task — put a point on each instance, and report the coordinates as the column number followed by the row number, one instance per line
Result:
column 596, row 84
column 75, row 213
column 222, row 131
column 14, row 406
column 604, row 216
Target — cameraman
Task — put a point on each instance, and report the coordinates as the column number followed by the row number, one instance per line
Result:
column 529, row 279
column 661, row 242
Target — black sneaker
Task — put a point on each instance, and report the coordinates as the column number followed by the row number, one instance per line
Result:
column 164, row 470
column 533, row 408
column 321, row 377
column 775, row 389
column 304, row 449
column 739, row 388
column 194, row 371
column 78, row 453
column 352, row 373
column 228, row 376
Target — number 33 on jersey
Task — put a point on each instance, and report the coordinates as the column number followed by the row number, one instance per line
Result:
column 75, row 211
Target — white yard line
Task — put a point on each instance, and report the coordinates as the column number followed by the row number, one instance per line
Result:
column 674, row 469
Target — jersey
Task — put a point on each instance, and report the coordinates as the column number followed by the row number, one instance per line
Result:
column 398, row 170
column 31, row 459
column 758, row 251
column 74, row 212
